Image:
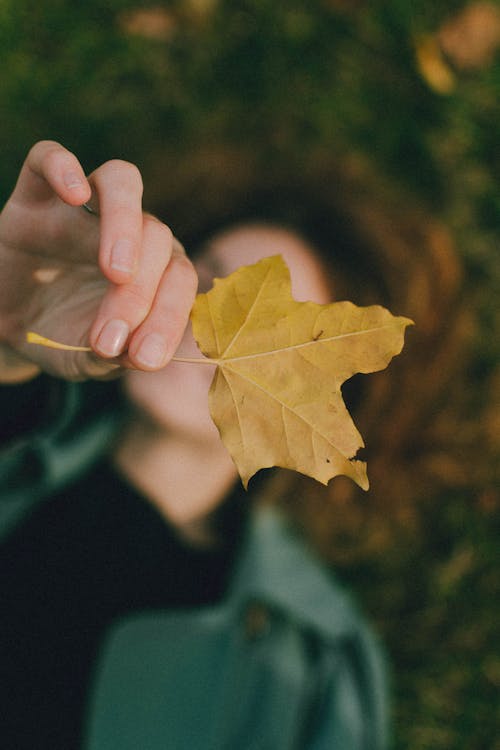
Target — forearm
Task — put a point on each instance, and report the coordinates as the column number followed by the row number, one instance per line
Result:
column 14, row 368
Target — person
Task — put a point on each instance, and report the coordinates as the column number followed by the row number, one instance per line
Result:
column 147, row 600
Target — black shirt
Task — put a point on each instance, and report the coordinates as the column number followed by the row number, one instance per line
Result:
column 94, row 552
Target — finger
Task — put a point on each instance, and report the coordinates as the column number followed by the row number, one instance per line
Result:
column 50, row 168
column 118, row 188
column 126, row 306
column 155, row 342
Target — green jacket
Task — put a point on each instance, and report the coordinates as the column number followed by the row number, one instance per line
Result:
column 284, row 662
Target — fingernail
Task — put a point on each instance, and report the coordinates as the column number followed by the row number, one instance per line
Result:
column 122, row 255
column 73, row 179
column 152, row 351
column 112, row 338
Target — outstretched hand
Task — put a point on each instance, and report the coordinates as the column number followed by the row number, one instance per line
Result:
column 112, row 278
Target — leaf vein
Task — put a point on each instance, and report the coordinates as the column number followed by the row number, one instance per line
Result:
column 285, row 429
column 236, row 408
column 304, row 344
column 248, row 315
column 212, row 321
column 283, row 405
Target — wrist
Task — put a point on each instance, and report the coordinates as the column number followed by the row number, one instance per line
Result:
column 14, row 368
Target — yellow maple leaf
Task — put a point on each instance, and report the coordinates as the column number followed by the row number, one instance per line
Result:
column 276, row 394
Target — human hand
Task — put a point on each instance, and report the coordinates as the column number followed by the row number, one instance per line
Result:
column 116, row 280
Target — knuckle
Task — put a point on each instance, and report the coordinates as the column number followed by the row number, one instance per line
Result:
column 179, row 248
column 51, row 153
column 161, row 230
column 187, row 273
column 174, row 321
column 124, row 170
column 158, row 241
column 165, row 233
column 45, row 145
column 134, row 299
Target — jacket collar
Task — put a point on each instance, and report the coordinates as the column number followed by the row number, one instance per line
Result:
column 85, row 418
column 277, row 569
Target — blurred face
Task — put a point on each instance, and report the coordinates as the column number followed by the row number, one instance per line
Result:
column 176, row 399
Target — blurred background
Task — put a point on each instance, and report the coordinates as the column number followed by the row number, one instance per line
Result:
column 375, row 127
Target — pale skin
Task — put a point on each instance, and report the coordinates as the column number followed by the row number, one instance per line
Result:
column 172, row 451
column 120, row 283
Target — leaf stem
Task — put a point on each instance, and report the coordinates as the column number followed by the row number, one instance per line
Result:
column 35, row 338
column 196, row 360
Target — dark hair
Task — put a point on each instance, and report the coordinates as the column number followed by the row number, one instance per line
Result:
column 383, row 249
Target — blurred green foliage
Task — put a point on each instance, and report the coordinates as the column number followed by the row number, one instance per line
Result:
column 282, row 80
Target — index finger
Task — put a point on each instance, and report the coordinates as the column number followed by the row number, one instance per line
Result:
column 118, row 187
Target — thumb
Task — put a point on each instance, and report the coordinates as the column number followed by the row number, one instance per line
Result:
column 51, row 169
